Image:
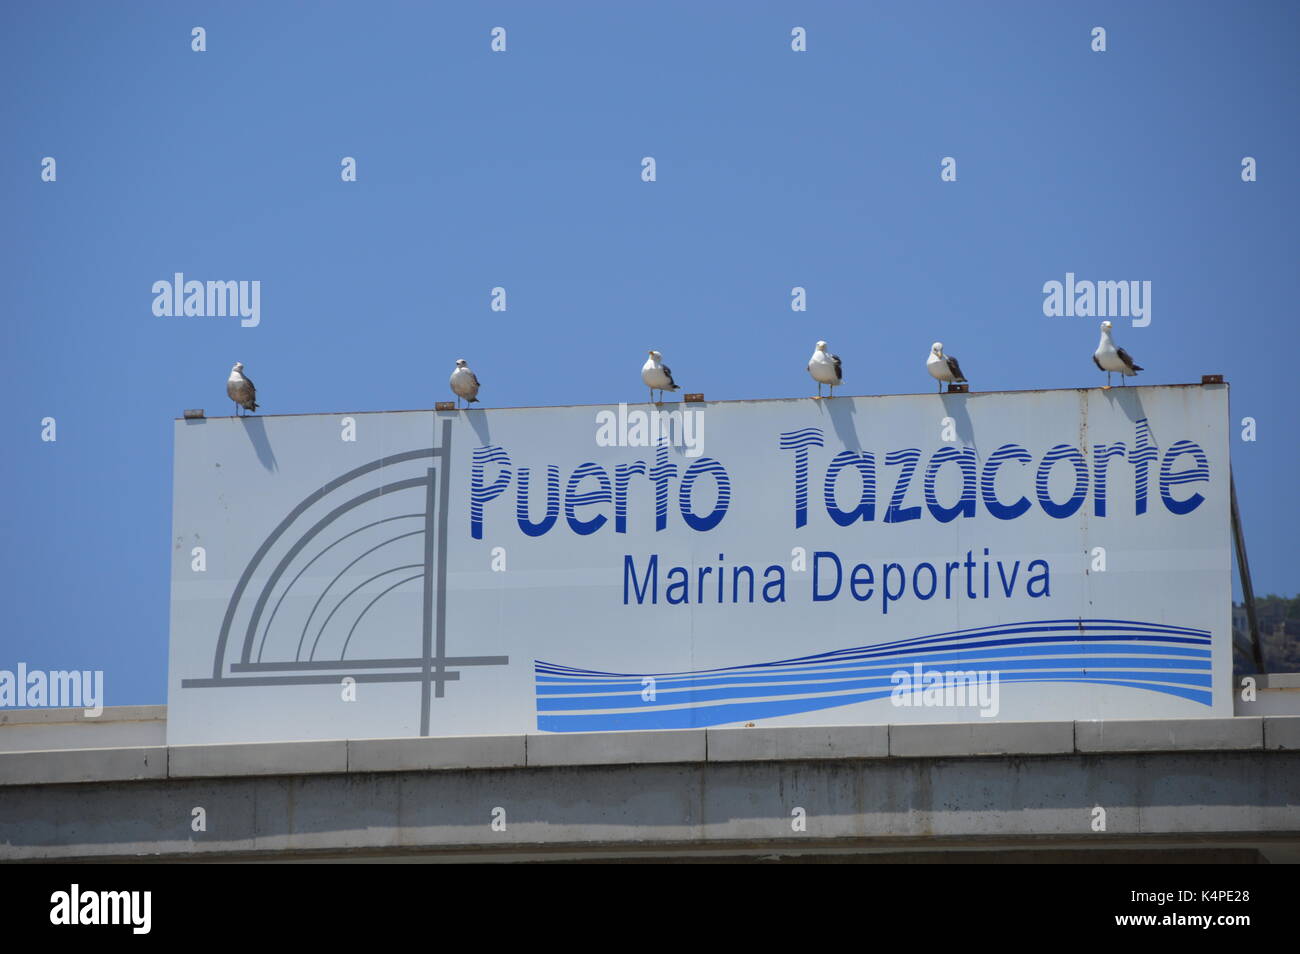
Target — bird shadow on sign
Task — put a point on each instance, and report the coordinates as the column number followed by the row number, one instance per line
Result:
column 256, row 431
column 1129, row 400
column 841, row 414
column 954, row 406
column 478, row 421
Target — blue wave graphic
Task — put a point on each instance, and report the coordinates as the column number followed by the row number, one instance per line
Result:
column 1152, row 657
column 804, row 437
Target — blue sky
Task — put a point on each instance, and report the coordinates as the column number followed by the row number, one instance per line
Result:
column 522, row 169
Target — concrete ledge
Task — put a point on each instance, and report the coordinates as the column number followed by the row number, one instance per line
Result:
column 795, row 743
column 766, row 744
column 1170, row 735
column 258, row 758
column 972, row 738
column 1278, row 680
column 617, row 748
column 117, row 727
column 416, row 755
column 1282, row 732
column 71, row 735
column 60, row 766
column 16, row 717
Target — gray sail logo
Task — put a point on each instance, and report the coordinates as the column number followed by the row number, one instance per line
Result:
column 351, row 583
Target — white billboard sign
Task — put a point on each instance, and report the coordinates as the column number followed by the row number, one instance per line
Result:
column 941, row 557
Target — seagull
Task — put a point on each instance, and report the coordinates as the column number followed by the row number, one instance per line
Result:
column 1109, row 358
column 825, row 368
column 942, row 366
column 241, row 389
column 464, row 383
column 657, row 376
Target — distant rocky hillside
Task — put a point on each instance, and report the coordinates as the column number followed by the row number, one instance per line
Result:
column 1279, row 634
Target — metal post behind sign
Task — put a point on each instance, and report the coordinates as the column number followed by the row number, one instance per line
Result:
column 1247, row 590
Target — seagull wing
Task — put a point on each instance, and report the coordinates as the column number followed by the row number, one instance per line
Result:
column 672, row 385
column 474, row 377
column 1097, row 363
column 251, row 403
column 839, row 367
column 1123, row 356
column 955, row 368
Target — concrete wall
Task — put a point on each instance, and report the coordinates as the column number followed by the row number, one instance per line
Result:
column 117, row 726
column 1226, row 785
column 1275, row 694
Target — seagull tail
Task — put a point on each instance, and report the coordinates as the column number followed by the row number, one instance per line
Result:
column 473, row 400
